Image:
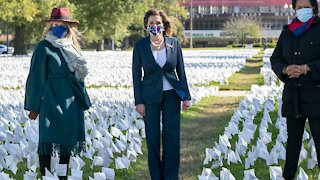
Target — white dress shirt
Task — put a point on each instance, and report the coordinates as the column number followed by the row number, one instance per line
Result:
column 161, row 59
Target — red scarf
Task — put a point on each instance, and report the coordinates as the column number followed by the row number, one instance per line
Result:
column 297, row 27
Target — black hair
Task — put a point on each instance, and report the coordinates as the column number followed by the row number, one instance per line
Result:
column 314, row 3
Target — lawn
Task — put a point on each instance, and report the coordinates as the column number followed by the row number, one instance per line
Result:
column 261, row 168
column 201, row 125
column 216, row 48
column 247, row 76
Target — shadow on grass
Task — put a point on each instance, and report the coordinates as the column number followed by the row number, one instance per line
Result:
column 201, row 125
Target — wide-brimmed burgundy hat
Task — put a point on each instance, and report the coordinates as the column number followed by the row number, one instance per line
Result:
column 61, row 14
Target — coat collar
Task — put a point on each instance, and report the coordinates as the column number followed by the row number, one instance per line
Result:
column 316, row 21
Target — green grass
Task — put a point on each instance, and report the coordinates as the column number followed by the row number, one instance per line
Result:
column 109, row 86
column 199, row 127
column 186, row 48
column 88, row 87
column 260, row 167
column 247, row 76
column 7, row 88
column 216, row 48
column 22, row 168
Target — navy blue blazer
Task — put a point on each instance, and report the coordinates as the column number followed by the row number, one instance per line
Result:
column 148, row 75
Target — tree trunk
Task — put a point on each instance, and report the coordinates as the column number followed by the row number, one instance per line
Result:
column 100, row 45
column 243, row 38
column 19, row 40
column 125, row 44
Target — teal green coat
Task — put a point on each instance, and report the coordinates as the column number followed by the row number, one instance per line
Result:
column 59, row 98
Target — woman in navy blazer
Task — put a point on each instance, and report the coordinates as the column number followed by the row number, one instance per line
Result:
column 160, row 85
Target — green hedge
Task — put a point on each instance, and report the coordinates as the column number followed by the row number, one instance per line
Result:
column 256, row 45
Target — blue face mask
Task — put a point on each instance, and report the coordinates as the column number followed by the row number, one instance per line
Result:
column 304, row 14
column 59, row 31
column 155, row 30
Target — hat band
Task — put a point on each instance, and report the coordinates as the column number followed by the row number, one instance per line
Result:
column 60, row 18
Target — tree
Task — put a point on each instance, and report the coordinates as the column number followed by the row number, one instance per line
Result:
column 18, row 13
column 100, row 19
column 25, row 17
column 108, row 19
column 118, row 19
column 177, row 13
column 243, row 27
column 172, row 8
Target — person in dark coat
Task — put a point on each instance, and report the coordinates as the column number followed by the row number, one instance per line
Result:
column 55, row 90
column 264, row 43
column 160, row 84
column 296, row 61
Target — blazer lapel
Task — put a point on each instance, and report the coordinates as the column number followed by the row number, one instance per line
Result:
column 148, row 51
column 168, row 46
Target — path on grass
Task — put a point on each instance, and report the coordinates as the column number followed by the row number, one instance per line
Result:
column 202, row 124
column 232, row 93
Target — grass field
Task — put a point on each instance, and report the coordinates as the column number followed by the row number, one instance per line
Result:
column 247, row 76
column 186, row 48
column 201, row 126
column 261, row 168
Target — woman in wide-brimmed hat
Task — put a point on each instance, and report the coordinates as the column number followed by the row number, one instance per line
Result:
column 55, row 90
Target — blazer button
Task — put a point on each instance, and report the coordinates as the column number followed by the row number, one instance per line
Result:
column 295, row 53
column 299, row 53
column 298, row 84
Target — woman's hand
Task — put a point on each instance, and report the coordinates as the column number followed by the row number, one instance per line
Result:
column 185, row 104
column 140, row 108
column 304, row 69
column 33, row 115
column 294, row 71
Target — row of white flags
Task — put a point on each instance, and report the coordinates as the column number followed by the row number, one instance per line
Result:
column 223, row 153
column 114, row 131
column 202, row 67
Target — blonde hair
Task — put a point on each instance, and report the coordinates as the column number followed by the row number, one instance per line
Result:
column 73, row 32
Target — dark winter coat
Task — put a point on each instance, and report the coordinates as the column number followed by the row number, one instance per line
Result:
column 301, row 96
column 59, row 98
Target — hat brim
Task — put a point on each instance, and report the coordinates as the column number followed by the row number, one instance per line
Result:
column 61, row 20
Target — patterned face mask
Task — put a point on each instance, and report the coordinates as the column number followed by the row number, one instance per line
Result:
column 155, row 30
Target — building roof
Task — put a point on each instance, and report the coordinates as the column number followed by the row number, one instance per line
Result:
column 237, row 2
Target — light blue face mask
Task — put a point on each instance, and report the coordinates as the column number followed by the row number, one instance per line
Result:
column 304, row 14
